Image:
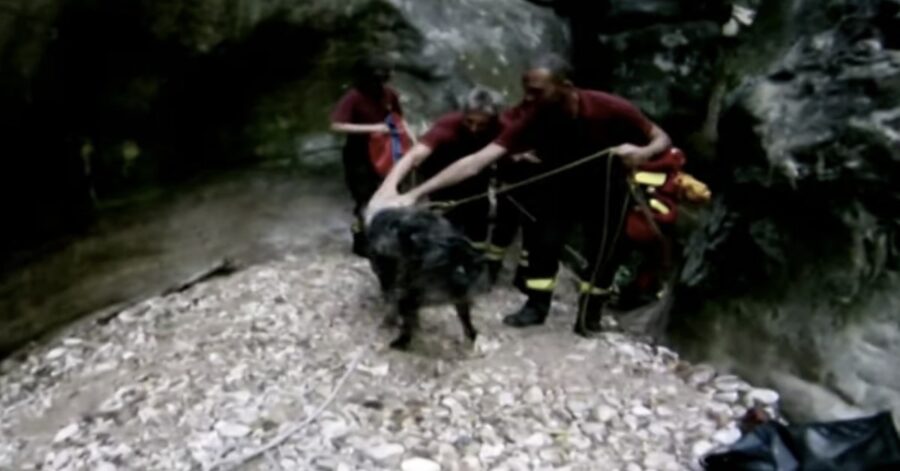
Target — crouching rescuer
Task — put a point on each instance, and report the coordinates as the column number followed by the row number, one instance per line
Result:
column 452, row 137
column 564, row 124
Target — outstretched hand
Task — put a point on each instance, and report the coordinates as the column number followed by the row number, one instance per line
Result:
column 387, row 201
column 631, row 155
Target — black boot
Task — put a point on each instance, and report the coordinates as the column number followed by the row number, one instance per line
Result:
column 590, row 311
column 534, row 312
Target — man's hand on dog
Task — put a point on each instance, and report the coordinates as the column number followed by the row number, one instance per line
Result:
column 386, row 201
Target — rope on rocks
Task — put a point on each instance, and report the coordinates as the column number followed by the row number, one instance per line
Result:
column 235, row 463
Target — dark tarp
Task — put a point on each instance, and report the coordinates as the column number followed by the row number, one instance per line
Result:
column 867, row 444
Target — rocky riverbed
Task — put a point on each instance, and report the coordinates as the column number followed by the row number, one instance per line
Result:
column 199, row 378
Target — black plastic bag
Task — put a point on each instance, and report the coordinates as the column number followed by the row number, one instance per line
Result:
column 867, row 444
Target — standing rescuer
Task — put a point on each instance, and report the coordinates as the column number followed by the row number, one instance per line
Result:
column 562, row 124
column 363, row 112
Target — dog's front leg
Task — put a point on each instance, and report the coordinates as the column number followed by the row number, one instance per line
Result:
column 463, row 311
column 408, row 311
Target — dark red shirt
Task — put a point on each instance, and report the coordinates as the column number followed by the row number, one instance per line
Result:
column 516, row 113
column 450, row 141
column 603, row 120
column 358, row 108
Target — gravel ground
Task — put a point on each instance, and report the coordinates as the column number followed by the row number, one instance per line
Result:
column 197, row 379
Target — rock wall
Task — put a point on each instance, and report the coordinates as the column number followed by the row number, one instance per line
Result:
column 665, row 55
column 795, row 269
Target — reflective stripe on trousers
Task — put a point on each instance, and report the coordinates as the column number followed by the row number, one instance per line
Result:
column 540, row 284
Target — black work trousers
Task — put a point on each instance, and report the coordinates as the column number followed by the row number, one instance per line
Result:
column 490, row 233
column 359, row 175
column 584, row 207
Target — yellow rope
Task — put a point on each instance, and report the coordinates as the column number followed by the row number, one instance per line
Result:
column 445, row 205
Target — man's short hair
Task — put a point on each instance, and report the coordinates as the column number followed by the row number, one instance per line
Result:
column 481, row 100
column 559, row 68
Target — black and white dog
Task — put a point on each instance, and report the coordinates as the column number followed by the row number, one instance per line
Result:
column 420, row 259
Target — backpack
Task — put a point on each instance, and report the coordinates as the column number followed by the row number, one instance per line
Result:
column 660, row 184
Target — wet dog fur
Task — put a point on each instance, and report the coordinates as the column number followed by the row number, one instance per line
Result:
column 420, row 259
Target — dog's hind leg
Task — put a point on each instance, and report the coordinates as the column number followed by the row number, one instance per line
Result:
column 408, row 311
column 464, row 312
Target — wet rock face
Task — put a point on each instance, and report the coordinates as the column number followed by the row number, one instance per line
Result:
column 636, row 13
column 807, row 214
column 664, row 55
column 813, row 139
column 668, row 69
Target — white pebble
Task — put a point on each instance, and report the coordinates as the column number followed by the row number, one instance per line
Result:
column 534, row 395
column 419, row 464
column 701, row 448
column 384, row 452
column 762, row 397
column 662, row 461
column 230, row 430
column 105, row 466
column 56, row 353
column 728, row 397
column 605, row 413
column 66, row 433
column 641, row 411
column 727, row 436
column 506, row 399
column 538, row 440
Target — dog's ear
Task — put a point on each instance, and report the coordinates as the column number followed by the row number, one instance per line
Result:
column 382, row 233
